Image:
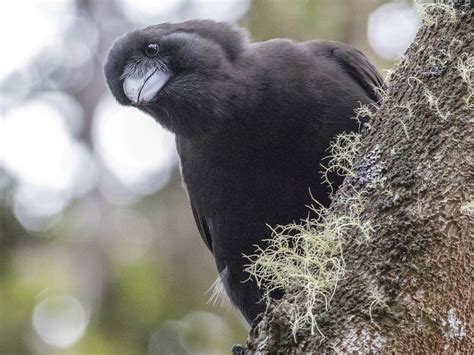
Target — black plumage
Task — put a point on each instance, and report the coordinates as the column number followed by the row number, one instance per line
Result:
column 252, row 123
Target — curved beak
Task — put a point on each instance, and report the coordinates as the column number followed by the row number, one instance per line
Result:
column 144, row 89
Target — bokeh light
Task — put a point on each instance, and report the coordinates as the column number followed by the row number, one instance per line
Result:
column 391, row 28
column 186, row 336
column 50, row 165
column 132, row 234
column 60, row 320
column 139, row 152
column 144, row 11
column 151, row 12
column 29, row 26
column 228, row 10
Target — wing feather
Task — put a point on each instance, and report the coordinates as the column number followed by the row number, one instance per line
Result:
column 360, row 69
column 202, row 226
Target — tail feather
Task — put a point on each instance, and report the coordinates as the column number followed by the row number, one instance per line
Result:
column 218, row 297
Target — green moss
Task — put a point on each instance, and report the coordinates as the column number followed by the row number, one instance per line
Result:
column 430, row 12
column 342, row 153
column 307, row 261
column 465, row 67
column 435, row 105
column 377, row 307
column 468, row 208
column 409, row 115
column 433, row 101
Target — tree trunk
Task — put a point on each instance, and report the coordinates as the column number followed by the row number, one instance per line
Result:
column 408, row 288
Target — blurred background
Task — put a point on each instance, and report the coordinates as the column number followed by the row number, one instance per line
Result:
column 99, row 253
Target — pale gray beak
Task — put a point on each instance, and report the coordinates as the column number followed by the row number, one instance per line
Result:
column 144, row 88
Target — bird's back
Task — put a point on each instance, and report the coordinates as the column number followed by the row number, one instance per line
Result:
column 261, row 171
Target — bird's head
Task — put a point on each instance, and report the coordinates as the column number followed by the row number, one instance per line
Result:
column 178, row 73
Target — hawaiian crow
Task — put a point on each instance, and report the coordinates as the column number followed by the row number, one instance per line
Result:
column 252, row 123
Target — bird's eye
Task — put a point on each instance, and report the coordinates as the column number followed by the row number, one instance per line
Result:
column 151, row 49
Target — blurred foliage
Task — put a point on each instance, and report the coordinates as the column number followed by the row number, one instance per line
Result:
column 298, row 19
column 140, row 294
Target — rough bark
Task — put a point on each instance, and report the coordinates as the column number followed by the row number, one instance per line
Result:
column 407, row 290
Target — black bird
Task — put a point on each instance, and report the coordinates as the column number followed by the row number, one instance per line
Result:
column 252, row 123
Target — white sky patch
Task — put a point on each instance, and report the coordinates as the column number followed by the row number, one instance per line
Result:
column 50, row 166
column 227, row 10
column 71, row 111
column 38, row 148
column 146, row 12
column 27, row 26
column 35, row 207
column 391, row 29
column 60, row 321
column 136, row 149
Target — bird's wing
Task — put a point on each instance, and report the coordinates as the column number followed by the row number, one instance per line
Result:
column 359, row 68
column 203, row 227
column 184, row 151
